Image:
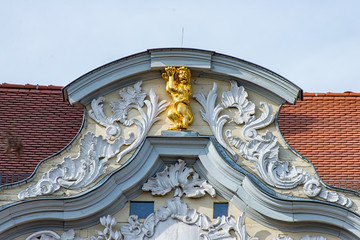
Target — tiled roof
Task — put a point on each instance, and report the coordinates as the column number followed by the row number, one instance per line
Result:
column 325, row 128
column 34, row 124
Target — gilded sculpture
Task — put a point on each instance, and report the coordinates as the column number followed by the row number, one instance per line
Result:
column 178, row 87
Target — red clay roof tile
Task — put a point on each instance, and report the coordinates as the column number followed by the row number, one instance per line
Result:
column 325, row 128
column 31, row 117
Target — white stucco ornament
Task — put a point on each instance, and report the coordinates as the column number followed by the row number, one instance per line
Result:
column 305, row 237
column 75, row 173
column 172, row 221
column 51, row 235
column 78, row 172
column 130, row 97
column 261, row 150
column 182, row 179
column 108, row 233
column 175, row 220
column 211, row 116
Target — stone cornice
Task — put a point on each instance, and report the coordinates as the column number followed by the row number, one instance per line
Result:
column 147, row 65
column 208, row 159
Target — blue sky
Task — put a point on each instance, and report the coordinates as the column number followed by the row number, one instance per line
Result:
column 314, row 44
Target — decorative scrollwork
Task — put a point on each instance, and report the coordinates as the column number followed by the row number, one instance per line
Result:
column 262, row 150
column 240, row 229
column 96, row 112
column 154, row 108
column 211, row 116
column 174, row 177
column 78, row 172
column 177, row 177
column 130, row 97
column 51, row 235
column 249, row 130
column 237, row 97
column 177, row 210
column 74, row 173
column 283, row 238
column 307, row 237
column 108, row 233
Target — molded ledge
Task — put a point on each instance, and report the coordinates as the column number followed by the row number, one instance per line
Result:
column 210, row 161
column 147, row 65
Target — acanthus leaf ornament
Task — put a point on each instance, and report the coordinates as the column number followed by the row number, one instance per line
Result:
column 96, row 112
column 262, row 150
column 107, row 234
column 154, row 108
column 210, row 114
column 180, row 178
column 80, row 171
column 240, row 229
column 249, row 129
column 174, row 211
column 130, row 97
column 75, row 173
column 177, row 210
column 307, row 237
column 283, row 238
column 237, row 97
column 51, row 235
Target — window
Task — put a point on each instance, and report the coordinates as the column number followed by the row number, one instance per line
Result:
column 141, row 209
column 220, row 209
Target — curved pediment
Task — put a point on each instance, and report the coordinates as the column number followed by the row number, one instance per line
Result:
column 146, row 66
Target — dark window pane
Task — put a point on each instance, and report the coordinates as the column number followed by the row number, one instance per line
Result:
column 220, row 209
column 141, row 209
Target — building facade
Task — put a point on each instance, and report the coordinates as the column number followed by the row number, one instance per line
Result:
column 178, row 144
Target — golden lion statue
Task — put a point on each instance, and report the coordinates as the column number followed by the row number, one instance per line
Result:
column 179, row 89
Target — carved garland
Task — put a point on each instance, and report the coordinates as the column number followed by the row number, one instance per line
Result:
column 262, row 150
column 75, row 173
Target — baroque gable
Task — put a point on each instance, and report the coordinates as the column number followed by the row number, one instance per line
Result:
column 144, row 113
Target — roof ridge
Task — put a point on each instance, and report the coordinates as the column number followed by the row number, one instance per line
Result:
column 332, row 94
column 30, row 86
